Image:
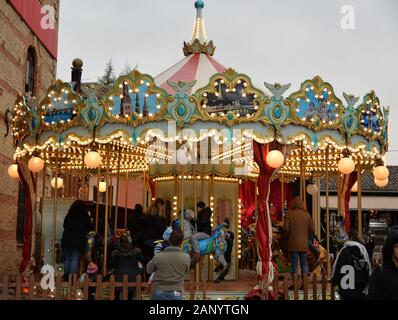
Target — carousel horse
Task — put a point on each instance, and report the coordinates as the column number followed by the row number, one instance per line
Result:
column 215, row 245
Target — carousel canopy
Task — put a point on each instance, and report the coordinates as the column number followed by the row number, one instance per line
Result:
column 211, row 113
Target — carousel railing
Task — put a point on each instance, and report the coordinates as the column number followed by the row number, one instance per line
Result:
column 14, row 288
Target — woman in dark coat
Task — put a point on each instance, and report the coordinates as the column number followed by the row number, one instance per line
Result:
column 125, row 262
column 383, row 283
column 77, row 225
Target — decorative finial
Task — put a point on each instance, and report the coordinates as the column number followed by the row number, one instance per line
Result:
column 199, row 4
column 199, row 43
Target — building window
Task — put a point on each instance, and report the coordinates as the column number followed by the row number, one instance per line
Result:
column 30, row 71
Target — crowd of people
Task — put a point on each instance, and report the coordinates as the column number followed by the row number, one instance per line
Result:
column 352, row 270
column 152, row 240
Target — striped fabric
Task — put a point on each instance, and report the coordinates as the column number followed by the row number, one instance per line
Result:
column 199, row 67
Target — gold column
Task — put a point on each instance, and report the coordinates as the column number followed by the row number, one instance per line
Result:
column 117, row 189
column 126, row 199
column 302, row 177
column 327, row 210
column 283, row 197
column 54, row 235
column 83, row 174
column 97, row 205
column 42, row 203
column 106, row 212
column 182, row 199
column 359, row 198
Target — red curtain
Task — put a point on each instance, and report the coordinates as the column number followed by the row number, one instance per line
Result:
column 247, row 193
column 275, row 196
column 264, row 227
column 27, row 181
column 348, row 182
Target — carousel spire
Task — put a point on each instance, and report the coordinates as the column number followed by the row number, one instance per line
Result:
column 198, row 43
column 199, row 29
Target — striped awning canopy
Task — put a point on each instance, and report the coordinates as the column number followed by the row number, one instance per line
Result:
column 197, row 66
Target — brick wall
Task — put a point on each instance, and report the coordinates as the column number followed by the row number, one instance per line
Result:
column 15, row 39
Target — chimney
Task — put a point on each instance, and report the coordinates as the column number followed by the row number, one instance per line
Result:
column 77, row 70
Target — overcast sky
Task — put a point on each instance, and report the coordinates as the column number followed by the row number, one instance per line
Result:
column 274, row 41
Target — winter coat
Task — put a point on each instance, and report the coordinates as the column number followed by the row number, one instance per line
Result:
column 298, row 227
column 383, row 283
column 76, row 228
column 351, row 256
column 125, row 262
column 203, row 221
column 154, row 227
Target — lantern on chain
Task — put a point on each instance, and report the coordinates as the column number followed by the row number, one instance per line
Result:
column 275, row 159
column 92, row 159
column 102, row 186
column 36, row 164
column 346, row 165
column 312, row 189
column 13, row 171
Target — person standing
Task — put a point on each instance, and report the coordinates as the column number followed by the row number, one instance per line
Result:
column 203, row 224
column 383, row 283
column 77, row 225
column 170, row 267
column 352, row 269
column 298, row 228
column 125, row 262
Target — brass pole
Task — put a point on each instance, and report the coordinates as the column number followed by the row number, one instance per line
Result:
column 302, row 176
column 54, row 236
column 117, row 190
column 182, row 199
column 97, row 205
column 327, row 210
column 126, row 199
column 83, row 174
column 202, row 185
column 283, row 197
column 359, row 198
column 197, row 266
column 143, row 189
column 42, row 209
column 106, row 213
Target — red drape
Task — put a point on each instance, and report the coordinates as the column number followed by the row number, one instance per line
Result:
column 247, row 193
column 275, row 196
column 264, row 227
column 348, row 182
column 28, row 184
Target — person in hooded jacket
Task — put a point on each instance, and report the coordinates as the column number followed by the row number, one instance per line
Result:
column 383, row 283
column 352, row 261
column 77, row 225
column 125, row 262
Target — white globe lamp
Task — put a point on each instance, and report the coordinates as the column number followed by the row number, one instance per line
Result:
column 36, row 164
column 92, row 159
column 58, row 184
column 346, row 165
column 275, row 159
column 13, row 171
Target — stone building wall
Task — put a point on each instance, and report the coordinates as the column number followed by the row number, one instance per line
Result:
column 15, row 39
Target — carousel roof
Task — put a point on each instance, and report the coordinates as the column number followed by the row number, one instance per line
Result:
column 198, row 65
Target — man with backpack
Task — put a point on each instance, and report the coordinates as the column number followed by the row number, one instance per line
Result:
column 352, row 269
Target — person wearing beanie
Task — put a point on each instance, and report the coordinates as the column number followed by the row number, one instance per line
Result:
column 383, row 283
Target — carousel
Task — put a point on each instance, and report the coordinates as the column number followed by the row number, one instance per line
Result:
column 196, row 132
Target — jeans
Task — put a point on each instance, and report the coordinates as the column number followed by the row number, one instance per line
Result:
column 195, row 240
column 71, row 260
column 303, row 262
column 166, row 295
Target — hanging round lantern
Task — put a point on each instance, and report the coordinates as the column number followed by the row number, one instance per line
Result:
column 13, row 171
column 346, row 165
column 59, row 183
column 381, row 173
column 312, row 189
column 102, row 187
column 92, row 159
column 355, row 187
column 36, row 164
column 381, row 183
column 275, row 159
